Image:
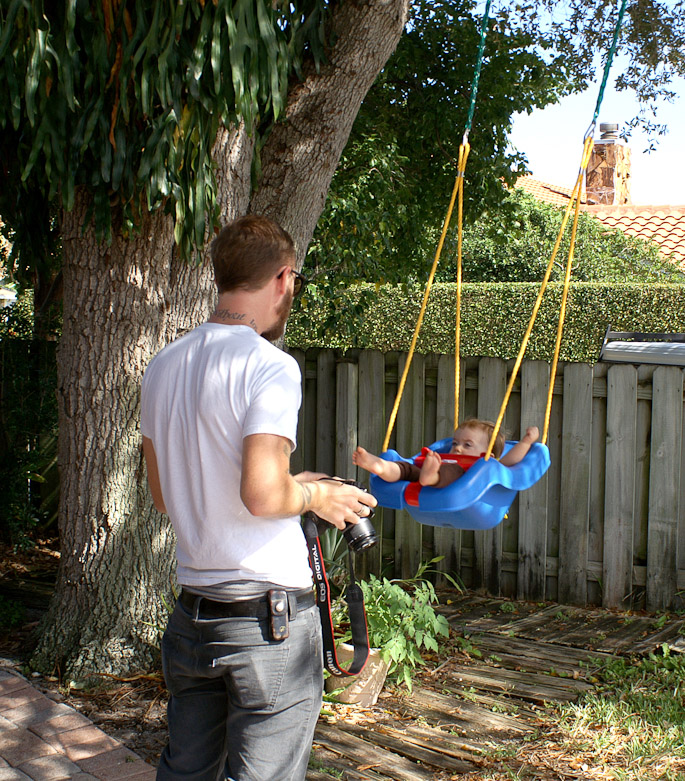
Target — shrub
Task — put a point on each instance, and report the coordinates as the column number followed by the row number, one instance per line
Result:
column 494, row 318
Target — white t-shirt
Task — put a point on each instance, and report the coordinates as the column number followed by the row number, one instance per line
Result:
column 201, row 396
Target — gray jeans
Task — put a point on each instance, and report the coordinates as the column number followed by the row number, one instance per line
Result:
column 242, row 706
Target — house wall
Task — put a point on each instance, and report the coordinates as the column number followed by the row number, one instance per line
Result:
column 606, row 524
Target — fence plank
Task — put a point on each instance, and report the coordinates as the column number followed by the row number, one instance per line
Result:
column 346, row 418
column 680, row 602
column 408, row 542
column 664, row 473
column 297, row 460
column 371, row 430
column 554, row 485
column 446, row 540
column 643, row 435
column 325, row 412
column 595, row 535
column 487, row 545
column 619, row 495
column 532, row 545
column 574, row 499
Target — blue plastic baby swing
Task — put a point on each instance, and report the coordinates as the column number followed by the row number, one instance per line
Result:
column 479, row 499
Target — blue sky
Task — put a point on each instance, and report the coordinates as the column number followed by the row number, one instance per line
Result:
column 552, row 140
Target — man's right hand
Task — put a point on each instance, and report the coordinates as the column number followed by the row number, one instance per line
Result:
column 337, row 502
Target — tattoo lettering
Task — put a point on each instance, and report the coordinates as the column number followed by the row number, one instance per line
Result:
column 306, row 497
column 226, row 314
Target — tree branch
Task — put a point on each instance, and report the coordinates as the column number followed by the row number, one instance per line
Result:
column 302, row 152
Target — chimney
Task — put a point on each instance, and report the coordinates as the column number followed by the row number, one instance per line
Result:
column 607, row 180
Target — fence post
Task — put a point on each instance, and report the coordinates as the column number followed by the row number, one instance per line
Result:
column 619, row 496
column 532, row 545
column 574, row 499
column 664, row 474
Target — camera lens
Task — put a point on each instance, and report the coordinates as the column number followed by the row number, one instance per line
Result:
column 360, row 536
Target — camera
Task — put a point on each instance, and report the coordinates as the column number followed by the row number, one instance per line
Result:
column 359, row 536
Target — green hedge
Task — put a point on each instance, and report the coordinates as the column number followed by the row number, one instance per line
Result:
column 493, row 320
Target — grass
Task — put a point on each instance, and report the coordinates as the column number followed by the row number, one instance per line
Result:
column 630, row 727
column 635, row 718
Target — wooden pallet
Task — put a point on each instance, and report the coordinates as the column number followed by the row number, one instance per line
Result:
column 531, row 655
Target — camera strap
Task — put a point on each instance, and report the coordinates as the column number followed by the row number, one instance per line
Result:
column 355, row 605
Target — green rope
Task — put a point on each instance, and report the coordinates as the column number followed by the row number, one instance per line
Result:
column 476, row 75
column 607, row 68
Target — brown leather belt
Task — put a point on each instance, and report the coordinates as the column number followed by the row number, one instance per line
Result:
column 250, row 608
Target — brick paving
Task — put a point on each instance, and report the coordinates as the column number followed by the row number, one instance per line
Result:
column 44, row 740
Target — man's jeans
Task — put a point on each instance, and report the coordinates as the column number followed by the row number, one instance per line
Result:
column 242, row 706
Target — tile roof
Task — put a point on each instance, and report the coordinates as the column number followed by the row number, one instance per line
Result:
column 547, row 193
column 664, row 225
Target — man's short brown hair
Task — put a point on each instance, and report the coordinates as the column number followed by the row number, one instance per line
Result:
column 248, row 251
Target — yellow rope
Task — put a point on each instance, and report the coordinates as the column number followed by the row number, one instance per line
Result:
column 575, row 195
column 458, row 184
column 587, row 149
column 458, row 192
column 464, row 150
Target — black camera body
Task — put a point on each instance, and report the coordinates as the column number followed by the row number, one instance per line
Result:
column 359, row 536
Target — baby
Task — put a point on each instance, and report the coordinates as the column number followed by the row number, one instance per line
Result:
column 470, row 439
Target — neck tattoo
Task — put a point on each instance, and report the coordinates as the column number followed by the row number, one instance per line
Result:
column 238, row 317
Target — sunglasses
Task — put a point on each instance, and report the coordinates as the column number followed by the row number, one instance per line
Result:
column 300, row 282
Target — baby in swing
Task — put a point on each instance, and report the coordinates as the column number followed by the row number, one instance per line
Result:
column 470, row 439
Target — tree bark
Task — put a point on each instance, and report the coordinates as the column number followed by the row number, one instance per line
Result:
column 122, row 304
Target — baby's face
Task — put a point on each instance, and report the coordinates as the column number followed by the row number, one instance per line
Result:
column 469, row 441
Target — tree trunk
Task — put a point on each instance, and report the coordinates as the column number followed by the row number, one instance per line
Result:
column 122, row 304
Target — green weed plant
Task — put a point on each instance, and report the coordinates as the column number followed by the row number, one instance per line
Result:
column 402, row 622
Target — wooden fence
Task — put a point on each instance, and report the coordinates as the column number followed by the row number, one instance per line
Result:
column 605, row 526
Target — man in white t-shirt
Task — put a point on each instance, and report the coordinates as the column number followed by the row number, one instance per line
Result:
column 242, row 652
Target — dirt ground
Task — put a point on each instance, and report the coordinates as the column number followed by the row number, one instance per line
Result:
column 134, row 710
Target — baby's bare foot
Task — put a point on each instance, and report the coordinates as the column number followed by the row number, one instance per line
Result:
column 386, row 470
column 430, row 469
column 365, row 460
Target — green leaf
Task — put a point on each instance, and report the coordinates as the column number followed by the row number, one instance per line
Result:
column 33, row 73
column 8, row 26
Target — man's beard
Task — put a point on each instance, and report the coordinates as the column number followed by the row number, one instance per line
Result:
column 277, row 330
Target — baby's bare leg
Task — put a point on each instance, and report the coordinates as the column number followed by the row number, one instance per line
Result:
column 386, row 470
column 430, row 469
